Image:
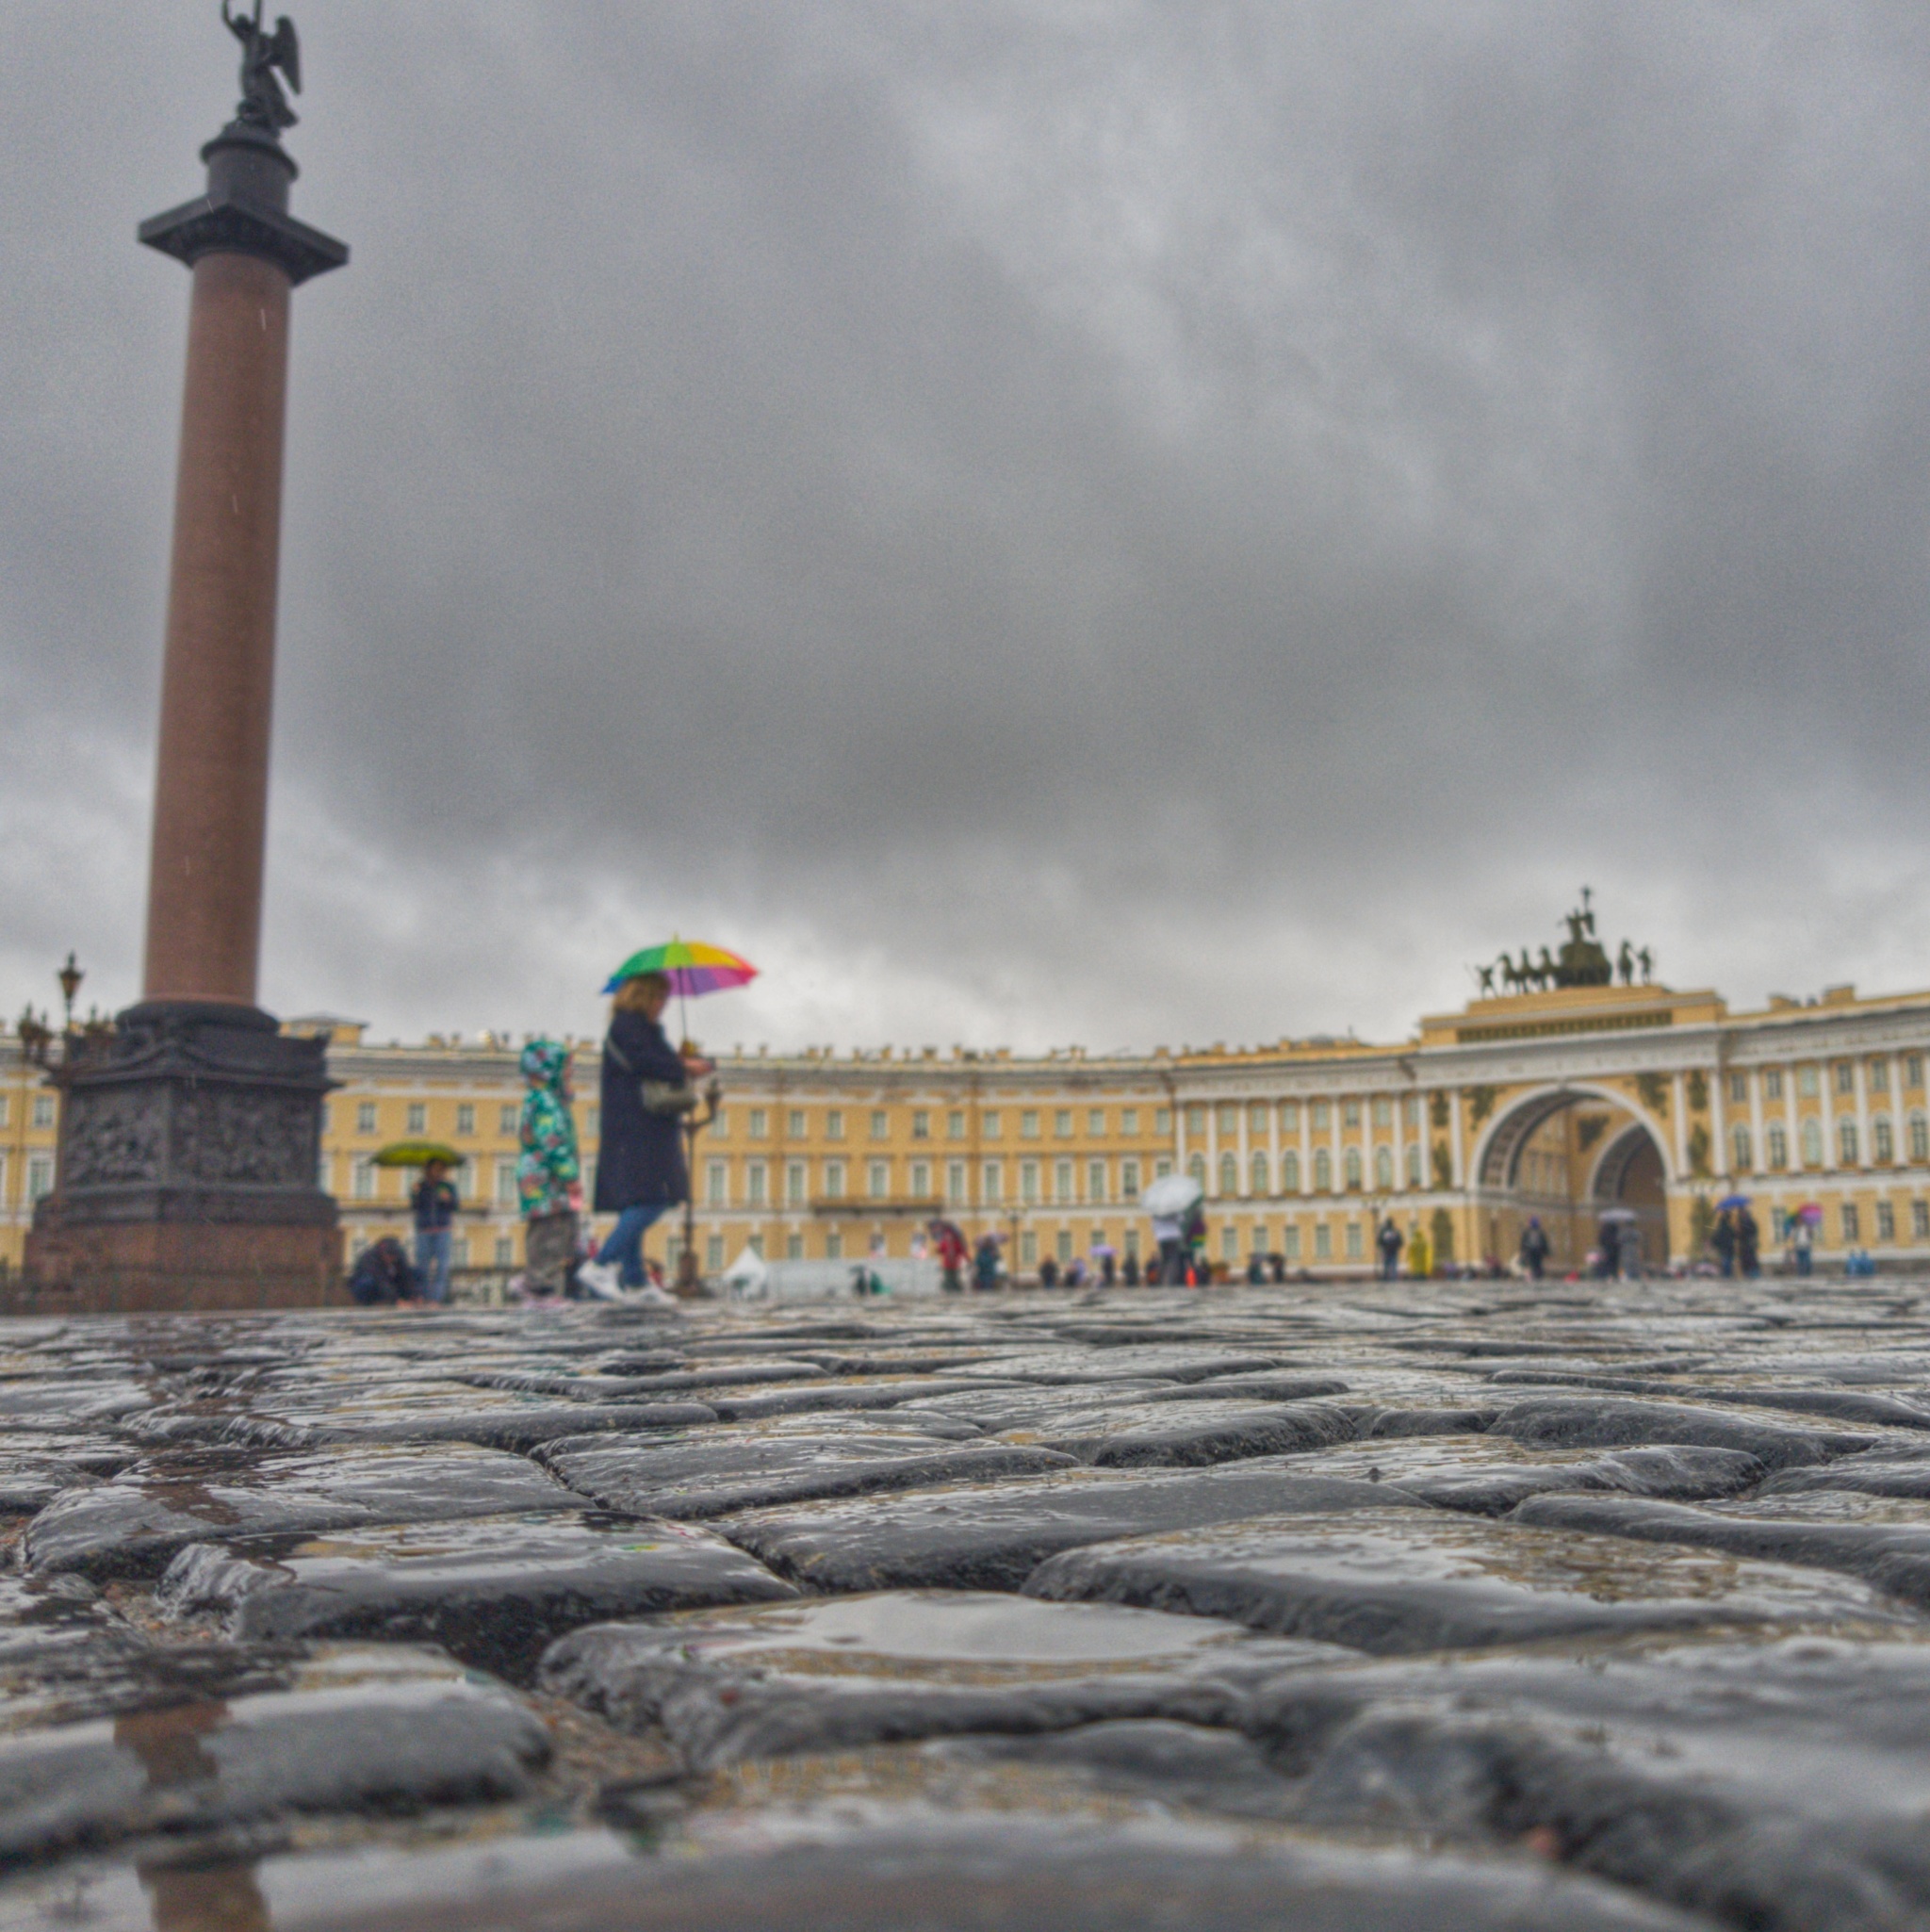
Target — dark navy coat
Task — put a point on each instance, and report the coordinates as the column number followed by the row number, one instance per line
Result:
column 639, row 1155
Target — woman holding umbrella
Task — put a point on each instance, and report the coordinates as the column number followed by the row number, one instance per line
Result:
column 647, row 1090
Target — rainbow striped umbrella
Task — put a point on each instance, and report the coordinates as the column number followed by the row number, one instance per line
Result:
column 691, row 967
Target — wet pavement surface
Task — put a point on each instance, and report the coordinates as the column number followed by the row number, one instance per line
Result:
column 1328, row 1607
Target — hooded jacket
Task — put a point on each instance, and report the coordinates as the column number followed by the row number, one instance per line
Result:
column 549, row 1167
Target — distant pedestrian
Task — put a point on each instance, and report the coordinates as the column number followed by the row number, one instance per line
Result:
column 1534, row 1246
column 549, row 1174
column 1277, row 1264
column 1722, row 1242
column 1802, row 1244
column 645, row 1089
column 381, row 1275
column 1048, row 1273
column 950, row 1244
column 1129, row 1269
column 1748, row 1245
column 985, row 1264
column 1608, row 1243
column 1420, row 1254
column 1168, row 1230
column 1390, row 1244
column 434, row 1204
column 1256, row 1269
column 1108, row 1269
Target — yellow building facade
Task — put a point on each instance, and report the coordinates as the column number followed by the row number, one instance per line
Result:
column 1559, row 1105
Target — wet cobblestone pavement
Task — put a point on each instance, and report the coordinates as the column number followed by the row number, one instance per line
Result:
column 1343, row 1607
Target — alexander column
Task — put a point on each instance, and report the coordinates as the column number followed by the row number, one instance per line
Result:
column 191, row 1141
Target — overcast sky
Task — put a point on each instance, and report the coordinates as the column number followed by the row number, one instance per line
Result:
column 1037, row 522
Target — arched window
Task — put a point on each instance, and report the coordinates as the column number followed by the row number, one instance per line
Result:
column 1229, row 1175
column 1739, row 1142
column 1384, row 1168
column 1920, row 1139
column 1812, row 1142
column 1323, row 1171
column 1778, row 1148
column 1882, row 1140
column 1352, row 1169
column 1260, row 1175
column 1289, row 1172
column 1846, row 1141
column 1414, row 1163
column 1196, row 1167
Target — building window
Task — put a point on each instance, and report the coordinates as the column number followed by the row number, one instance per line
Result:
column 717, row 1184
column 1256, row 1117
column 1129, row 1119
column 1354, row 1248
column 714, row 1252
column 364, row 1118
column 756, row 1244
column 720, row 1127
column 1289, row 1172
column 1882, row 1140
column 1913, row 1072
column 1808, row 1082
column 1351, row 1113
column 1885, row 1222
column 1095, row 1182
column 1161, row 1169
column 7, row 1110
column 362, row 1181
column 877, row 1180
column 1920, row 1139
column 1195, row 1168
column 1229, row 1175
column 1028, row 1249
column 40, row 1177
column 921, row 1124
column 793, row 1247
column 1260, row 1179
column 1384, row 1168
column 1773, row 1084
column 760, row 1122
column 1290, row 1116
column 1028, row 1125
column 1162, row 1121
column 1259, row 1245
column 1062, row 1181
column 505, row 1183
column 834, row 1245
column 1229, row 1244
column 1920, row 1220
column 1812, row 1142
column 506, row 1121
column 1196, row 1122
column 1845, row 1076
column 1323, row 1171
column 1383, row 1111
column 459, row 1251
column 991, row 1124
column 1129, row 1179
column 834, row 1180
column 1414, row 1163
column 1740, row 1149
column 794, row 1184
column 1853, row 1223
column 1229, row 1120
column 1064, row 1245
column 418, row 1117
column 1323, row 1241
column 920, row 1180
column 1351, row 1168
column 1095, row 1120
column 1411, row 1109
column 1062, row 1124
column 955, row 1125
column 881, row 1125
column 795, row 1124
column 505, row 1250
column 1778, row 1148
column 1738, row 1089
column 593, row 1121
column 955, row 1183
column 43, row 1110
column 1846, row 1141
column 466, row 1120
column 994, row 1181
column 834, row 1124
column 1879, row 1078
column 1320, row 1116
column 1290, row 1244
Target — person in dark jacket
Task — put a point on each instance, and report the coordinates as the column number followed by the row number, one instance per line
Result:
column 435, row 1205
column 1748, row 1245
column 1534, row 1246
column 381, row 1275
column 640, row 1174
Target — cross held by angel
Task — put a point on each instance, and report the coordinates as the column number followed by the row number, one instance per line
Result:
column 263, row 103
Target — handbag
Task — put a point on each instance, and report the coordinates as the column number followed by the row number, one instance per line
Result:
column 665, row 1097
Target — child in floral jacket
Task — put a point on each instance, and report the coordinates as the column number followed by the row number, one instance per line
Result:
column 549, row 1174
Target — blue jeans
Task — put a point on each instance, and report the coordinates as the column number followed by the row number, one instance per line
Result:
column 432, row 1262
column 625, row 1246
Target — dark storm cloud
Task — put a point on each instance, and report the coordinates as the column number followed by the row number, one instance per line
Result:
column 1038, row 521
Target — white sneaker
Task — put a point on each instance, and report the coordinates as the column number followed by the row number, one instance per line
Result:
column 651, row 1297
column 597, row 1279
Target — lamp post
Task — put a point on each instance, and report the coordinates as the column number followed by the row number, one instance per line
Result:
column 689, row 1282
column 69, row 977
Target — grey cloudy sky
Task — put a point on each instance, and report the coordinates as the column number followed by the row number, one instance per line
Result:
column 1037, row 522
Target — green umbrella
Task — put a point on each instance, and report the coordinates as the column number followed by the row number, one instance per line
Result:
column 419, row 1154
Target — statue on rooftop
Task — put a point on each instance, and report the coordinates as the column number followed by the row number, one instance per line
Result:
column 263, row 103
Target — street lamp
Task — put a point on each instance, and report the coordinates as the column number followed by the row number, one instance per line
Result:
column 690, row 1282
column 70, row 977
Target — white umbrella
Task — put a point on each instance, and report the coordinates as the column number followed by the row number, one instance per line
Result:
column 1171, row 1195
column 1620, row 1214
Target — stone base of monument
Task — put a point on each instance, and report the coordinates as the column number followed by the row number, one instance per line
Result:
column 189, row 1143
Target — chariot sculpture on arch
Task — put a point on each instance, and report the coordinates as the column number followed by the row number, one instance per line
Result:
column 263, row 103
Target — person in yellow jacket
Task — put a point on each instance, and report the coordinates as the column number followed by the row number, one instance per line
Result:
column 1420, row 1254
